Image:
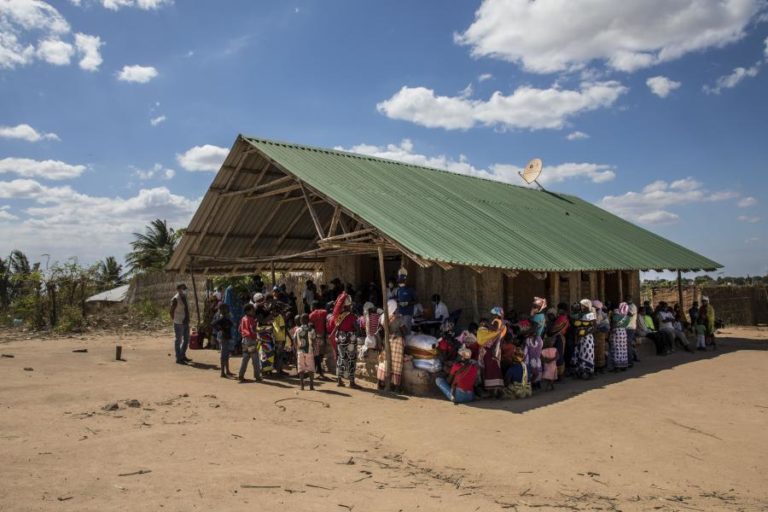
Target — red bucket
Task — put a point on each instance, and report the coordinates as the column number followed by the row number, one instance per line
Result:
column 194, row 341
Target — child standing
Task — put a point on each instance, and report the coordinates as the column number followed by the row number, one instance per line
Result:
column 701, row 336
column 222, row 326
column 251, row 343
column 306, row 344
column 549, row 359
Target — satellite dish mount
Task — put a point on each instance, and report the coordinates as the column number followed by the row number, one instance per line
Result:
column 532, row 172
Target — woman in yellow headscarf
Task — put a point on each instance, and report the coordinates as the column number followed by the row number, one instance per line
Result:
column 489, row 340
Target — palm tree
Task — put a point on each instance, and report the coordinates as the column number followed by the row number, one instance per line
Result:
column 110, row 273
column 19, row 263
column 5, row 283
column 152, row 249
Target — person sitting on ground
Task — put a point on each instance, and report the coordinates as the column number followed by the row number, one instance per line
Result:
column 518, row 381
column 667, row 326
column 250, row 336
column 222, row 325
column 306, row 345
column 459, row 386
column 645, row 329
column 549, row 363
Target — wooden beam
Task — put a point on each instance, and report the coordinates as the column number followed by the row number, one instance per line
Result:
column 387, row 346
column 257, row 187
column 312, row 212
column 334, row 221
column 290, row 227
column 276, row 192
column 264, row 224
column 345, row 236
column 679, row 293
column 443, row 265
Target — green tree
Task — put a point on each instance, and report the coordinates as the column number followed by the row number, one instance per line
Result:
column 109, row 273
column 152, row 250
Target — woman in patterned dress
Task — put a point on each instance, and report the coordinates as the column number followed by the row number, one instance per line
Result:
column 343, row 327
column 619, row 348
column 585, row 340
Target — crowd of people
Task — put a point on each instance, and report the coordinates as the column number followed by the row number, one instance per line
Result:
column 506, row 355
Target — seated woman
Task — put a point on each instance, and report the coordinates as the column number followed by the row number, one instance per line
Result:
column 459, row 386
column 518, row 377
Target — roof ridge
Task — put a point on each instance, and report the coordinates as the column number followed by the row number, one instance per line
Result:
column 388, row 161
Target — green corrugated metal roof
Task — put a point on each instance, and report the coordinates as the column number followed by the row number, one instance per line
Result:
column 458, row 219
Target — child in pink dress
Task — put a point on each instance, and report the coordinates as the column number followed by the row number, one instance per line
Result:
column 549, row 364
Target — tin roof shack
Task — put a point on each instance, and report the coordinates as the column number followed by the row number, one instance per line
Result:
column 477, row 242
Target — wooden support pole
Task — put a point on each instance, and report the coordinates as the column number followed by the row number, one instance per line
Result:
column 313, row 213
column 197, row 305
column 273, row 274
column 621, row 286
column 680, row 292
column 601, row 284
column 387, row 347
column 475, row 305
column 593, row 285
column 276, row 192
column 555, row 288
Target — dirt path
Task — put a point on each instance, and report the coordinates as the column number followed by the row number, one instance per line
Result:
column 677, row 433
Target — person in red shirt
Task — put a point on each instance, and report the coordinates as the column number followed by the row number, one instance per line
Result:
column 317, row 318
column 249, row 333
column 343, row 327
column 459, row 387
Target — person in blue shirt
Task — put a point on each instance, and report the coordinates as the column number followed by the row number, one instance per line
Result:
column 406, row 300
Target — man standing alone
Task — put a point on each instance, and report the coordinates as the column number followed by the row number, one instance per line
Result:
column 180, row 316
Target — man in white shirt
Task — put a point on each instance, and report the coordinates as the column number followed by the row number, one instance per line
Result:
column 440, row 309
column 180, row 316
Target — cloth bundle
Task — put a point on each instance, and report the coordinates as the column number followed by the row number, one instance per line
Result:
column 423, row 350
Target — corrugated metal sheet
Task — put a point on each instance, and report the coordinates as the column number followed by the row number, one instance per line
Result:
column 464, row 220
column 434, row 214
column 118, row 294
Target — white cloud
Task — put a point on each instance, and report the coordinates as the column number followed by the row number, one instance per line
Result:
column 5, row 215
column 64, row 222
column 88, row 47
column 746, row 202
column 116, row 5
column 157, row 171
column 508, row 173
column 25, row 132
column 548, row 36
column 651, row 205
column 203, row 158
column 484, row 77
column 661, row 86
column 526, row 108
column 748, row 219
column 577, row 135
column 55, row 51
column 33, row 29
column 752, row 240
column 765, row 50
column 48, row 169
column 157, row 120
column 733, row 79
column 137, row 74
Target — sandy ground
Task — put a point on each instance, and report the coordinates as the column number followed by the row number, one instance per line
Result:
column 684, row 432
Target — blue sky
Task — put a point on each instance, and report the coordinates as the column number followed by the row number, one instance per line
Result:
column 115, row 112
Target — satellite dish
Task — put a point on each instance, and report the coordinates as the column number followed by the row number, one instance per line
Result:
column 532, row 172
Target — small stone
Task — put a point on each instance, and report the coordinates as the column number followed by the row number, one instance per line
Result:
column 133, row 403
column 111, row 406
column 29, row 369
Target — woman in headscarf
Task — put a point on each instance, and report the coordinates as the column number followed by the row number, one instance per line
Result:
column 534, row 343
column 342, row 329
column 585, row 339
column 518, row 377
column 619, row 348
column 558, row 327
column 489, row 340
column 397, row 330
column 707, row 319
column 602, row 329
